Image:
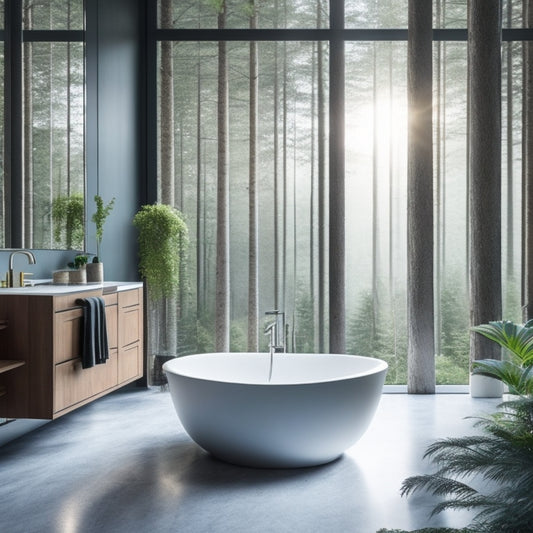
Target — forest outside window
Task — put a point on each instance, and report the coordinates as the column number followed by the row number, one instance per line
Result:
column 293, row 162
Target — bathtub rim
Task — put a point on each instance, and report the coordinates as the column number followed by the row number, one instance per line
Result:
column 380, row 366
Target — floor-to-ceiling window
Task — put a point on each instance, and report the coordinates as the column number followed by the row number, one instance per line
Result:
column 289, row 170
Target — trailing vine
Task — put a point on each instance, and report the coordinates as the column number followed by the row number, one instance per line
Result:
column 68, row 216
column 163, row 238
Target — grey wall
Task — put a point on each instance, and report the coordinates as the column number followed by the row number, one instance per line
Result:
column 118, row 159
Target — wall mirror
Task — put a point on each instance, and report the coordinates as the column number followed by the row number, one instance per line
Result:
column 43, row 174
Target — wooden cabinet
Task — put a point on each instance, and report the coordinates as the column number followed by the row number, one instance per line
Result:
column 45, row 333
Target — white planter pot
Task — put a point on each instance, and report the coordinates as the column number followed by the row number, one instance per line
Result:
column 485, row 387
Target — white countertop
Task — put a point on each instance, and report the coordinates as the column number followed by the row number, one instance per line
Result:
column 43, row 287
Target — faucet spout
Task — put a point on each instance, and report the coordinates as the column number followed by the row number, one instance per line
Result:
column 31, row 261
column 27, row 253
column 276, row 330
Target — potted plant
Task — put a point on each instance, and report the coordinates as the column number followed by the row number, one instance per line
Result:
column 500, row 459
column 162, row 241
column 95, row 270
column 79, row 274
column 162, row 237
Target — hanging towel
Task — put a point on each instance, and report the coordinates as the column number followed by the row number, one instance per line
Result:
column 94, row 349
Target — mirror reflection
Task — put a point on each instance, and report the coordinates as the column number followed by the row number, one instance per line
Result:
column 52, row 108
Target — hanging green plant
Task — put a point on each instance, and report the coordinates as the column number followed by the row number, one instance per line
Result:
column 162, row 240
column 68, row 216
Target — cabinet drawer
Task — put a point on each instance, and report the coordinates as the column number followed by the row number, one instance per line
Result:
column 68, row 301
column 129, row 363
column 129, row 298
column 129, row 325
column 111, row 316
column 67, row 334
column 73, row 384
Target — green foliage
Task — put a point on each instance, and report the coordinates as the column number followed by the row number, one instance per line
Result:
column 519, row 379
column 162, row 242
column 502, row 456
column 99, row 217
column 516, row 338
column 238, row 338
column 516, row 373
column 451, row 371
column 68, row 217
column 80, row 261
column 368, row 336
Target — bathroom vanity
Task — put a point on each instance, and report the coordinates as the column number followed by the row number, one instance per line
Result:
column 41, row 375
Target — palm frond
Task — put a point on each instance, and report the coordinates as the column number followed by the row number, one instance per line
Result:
column 501, row 457
column 517, row 378
column 518, row 339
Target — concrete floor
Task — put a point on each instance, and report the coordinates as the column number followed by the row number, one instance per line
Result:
column 124, row 464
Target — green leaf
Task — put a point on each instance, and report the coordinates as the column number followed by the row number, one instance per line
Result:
column 516, row 338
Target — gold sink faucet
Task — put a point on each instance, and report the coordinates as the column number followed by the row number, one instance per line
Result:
column 31, row 261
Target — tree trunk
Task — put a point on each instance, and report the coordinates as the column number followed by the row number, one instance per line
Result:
column 69, row 112
column 284, row 177
column 252, row 192
column 200, row 199
column 375, row 159
column 509, row 266
column 484, row 49
column 276, row 164
column 222, row 303
column 421, row 351
column 168, row 308
column 321, row 177
column 167, row 110
column 527, row 167
column 312, row 204
column 337, row 319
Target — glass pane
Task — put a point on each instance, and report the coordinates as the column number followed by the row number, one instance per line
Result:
column 54, row 170
column 513, row 13
column 287, row 175
column 376, row 15
column 512, row 73
column 451, row 213
column 376, row 165
column 53, row 15
column 451, row 14
column 2, row 13
column 196, row 14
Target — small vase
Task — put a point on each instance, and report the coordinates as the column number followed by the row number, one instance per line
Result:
column 95, row 272
column 77, row 277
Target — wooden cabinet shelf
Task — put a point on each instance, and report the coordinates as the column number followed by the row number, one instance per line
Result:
column 9, row 364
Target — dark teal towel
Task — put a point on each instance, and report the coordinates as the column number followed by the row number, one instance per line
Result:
column 94, row 348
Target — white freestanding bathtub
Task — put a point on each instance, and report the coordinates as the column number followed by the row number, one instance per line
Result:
column 313, row 408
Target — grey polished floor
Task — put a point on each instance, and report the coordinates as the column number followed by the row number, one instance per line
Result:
column 124, row 464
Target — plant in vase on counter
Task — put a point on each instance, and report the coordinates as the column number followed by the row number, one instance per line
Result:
column 78, row 274
column 95, row 270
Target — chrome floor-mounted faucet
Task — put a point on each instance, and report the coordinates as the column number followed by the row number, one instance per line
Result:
column 276, row 330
